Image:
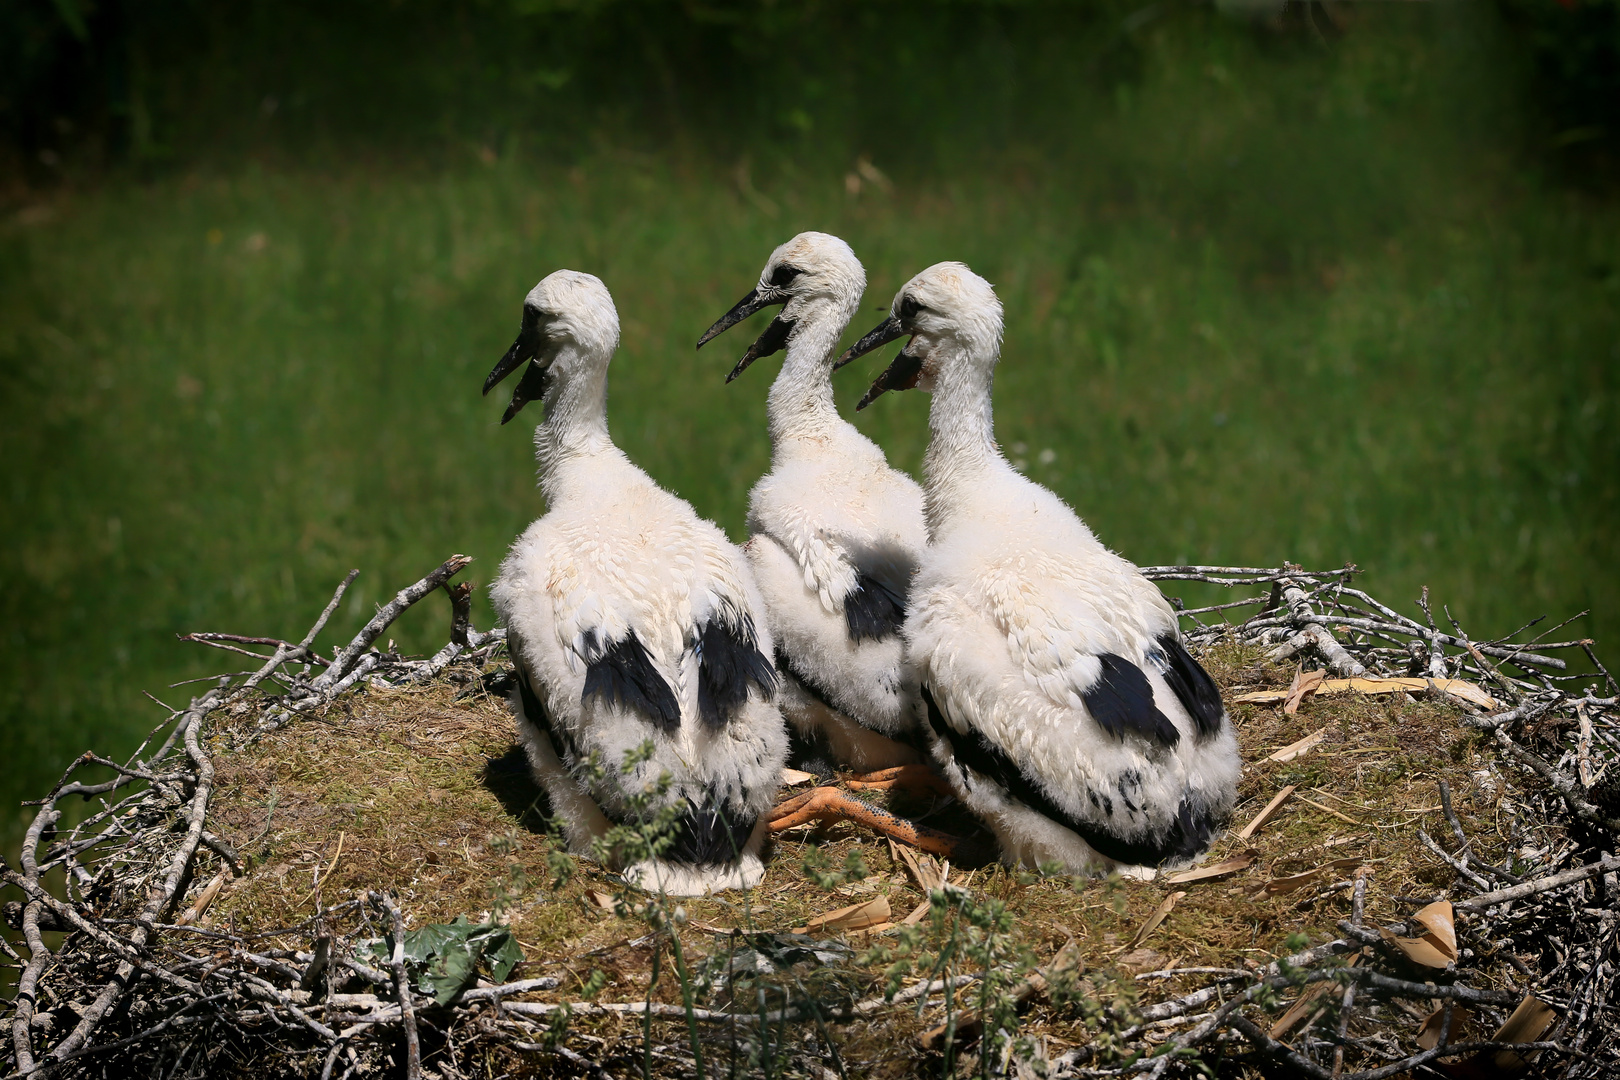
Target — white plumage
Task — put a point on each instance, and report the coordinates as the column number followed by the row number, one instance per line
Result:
column 834, row 531
column 1065, row 710
column 630, row 620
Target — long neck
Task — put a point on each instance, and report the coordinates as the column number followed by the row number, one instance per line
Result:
column 962, row 447
column 575, row 427
column 801, row 404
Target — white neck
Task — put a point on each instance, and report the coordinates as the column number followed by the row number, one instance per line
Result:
column 962, row 448
column 575, row 427
column 801, row 404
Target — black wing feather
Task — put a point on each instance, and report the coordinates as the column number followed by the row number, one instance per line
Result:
column 1192, row 685
column 1121, row 700
column 728, row 660
column 624, row 675
column 873, row 610
column 562, row 744
column 1191, row 833
column 709, row 835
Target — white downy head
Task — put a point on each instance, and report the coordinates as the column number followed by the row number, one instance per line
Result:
column 570, row 330
column 819, row 282
column 954, row 321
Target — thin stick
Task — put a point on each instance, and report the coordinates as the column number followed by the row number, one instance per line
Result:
column 384, row 618
column 402, row 988
column 1530, row 888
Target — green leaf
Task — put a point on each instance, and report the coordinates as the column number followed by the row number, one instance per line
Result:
column 444, row 957
column 502, row 954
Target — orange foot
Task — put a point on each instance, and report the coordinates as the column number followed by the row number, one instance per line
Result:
column 915, row 778
column 829, row 804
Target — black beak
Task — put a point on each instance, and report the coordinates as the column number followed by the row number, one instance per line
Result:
column 771, row 341
column 876, row 338
column 901, row 374
column 532, row 386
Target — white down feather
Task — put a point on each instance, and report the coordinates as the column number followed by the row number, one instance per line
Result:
column 616, row 554
column 829, row 508
column 1013, row 603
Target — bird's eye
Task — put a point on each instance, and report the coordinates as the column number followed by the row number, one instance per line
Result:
column 784, row 274
column 909, row 308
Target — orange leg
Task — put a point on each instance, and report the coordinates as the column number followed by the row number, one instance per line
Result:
column 830, row 804
column 914, row 778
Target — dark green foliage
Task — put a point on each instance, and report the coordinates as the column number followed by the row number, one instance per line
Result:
column 154, row 80
column 445, row 957
column 1574, row 49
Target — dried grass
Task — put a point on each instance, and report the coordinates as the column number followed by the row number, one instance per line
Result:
column 433, row 802
column 340, row 806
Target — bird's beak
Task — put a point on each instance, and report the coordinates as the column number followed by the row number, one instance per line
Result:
column 771, row 341
column 876, row 338
column 533, row 384
column 901, row 374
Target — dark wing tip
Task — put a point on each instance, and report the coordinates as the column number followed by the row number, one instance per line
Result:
column 1192, row 685
column 1121, row 701
column 624, row 674
column 729, row 660
column 1189, row 834
column 872, row 610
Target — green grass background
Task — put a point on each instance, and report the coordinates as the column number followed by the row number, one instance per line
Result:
column 1263, row 303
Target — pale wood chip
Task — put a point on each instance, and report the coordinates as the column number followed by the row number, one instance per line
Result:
column 1529, row 1020
column 1214, row 870
column 918, row 914
column 1300, row 748
column 855, row 917
column 1271, row 809
column 1457, row 688
column 1153, row 920
column 1428, row 1036
column 1440, row 922
column 1305, row 683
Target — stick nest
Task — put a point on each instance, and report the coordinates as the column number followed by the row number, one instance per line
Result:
column 331, row 867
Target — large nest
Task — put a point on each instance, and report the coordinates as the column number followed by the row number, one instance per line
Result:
column 340, row 867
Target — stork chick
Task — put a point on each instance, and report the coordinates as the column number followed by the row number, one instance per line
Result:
column 834, row 532
column 631, row 621
column 1064, row 708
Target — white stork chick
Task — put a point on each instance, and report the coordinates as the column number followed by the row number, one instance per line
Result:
column 1066, row 711
column 834, row 531
column 631, row 620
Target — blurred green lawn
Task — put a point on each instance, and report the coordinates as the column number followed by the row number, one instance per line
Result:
column 1304, row 307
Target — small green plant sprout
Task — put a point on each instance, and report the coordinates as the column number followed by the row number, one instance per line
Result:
column 650, row 820
column 901, row 955
column 556, row 1032
column 594, row 984
column 1115, row 892
column 560, row 864
column 507, row 892
column 816, row 868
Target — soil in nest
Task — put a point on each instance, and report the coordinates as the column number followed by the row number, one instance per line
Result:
column 423, row 792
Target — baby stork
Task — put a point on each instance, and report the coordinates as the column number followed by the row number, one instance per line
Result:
column 834, row 531
column 1065, row 709
column 631, row 621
